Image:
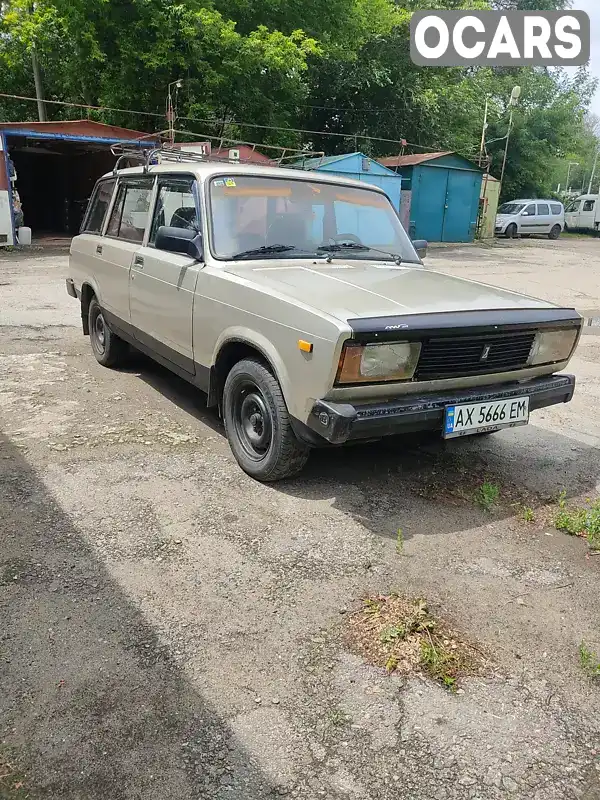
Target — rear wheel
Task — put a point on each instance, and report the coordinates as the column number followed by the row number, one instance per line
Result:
column 555, row 232
column 511, row 231
column 257, row 423
column 110, row 351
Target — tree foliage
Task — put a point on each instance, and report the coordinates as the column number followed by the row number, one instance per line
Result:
column 340, row 69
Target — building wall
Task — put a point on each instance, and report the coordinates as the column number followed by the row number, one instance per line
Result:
column 445, row 202
column 490, row 194
column 6, row 224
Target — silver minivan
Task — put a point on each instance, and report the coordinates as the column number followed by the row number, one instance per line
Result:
column 525, row 217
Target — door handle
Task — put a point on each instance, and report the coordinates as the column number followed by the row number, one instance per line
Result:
column 99, row 249
column 138, row 261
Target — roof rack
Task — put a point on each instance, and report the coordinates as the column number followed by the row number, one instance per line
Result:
column 147, row 153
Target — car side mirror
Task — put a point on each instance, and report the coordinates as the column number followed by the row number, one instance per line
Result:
column 420, row 246
column 179, row 240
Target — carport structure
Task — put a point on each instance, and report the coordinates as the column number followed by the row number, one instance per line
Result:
column 53, row 166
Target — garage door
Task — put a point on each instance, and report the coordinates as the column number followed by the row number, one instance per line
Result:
column 459, row 197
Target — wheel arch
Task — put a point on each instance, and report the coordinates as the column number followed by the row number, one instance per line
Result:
column 88, row 290
column 235, row 345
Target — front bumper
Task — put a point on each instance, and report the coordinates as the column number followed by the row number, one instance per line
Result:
column 337, row 423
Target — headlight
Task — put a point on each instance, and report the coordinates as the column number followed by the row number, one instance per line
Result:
column 552, row 346
column 373, row 363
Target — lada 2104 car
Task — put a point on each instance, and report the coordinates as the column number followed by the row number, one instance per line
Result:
column 298, row 304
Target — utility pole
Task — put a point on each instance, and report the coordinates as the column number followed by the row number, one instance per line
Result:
column 37, row 78
column 593, row 173
column 571, row 164
column 39, row 92
column 514, row 98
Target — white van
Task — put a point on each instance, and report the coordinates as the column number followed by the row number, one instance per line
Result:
column 524, row 217
column 583, row 213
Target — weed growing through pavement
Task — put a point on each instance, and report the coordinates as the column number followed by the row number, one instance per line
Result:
column 583, row 521
column 528, row 514
column 399, row 541
column 337, row 718
column 589, row 661
column 403, row 636
column 487, row 495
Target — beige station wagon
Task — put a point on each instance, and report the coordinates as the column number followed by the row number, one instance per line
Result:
column 298, row 304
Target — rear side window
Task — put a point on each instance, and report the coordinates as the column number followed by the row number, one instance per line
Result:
column 130, row 210
column 556, row 209
column 543, row 210
column 98, row 207
column 589, row 205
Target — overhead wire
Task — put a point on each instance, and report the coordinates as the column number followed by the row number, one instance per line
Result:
column 400, row 142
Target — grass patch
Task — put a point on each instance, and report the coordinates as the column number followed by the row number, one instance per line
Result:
column 12, row 781
column 589, row 661
column 583, row 521
column 402, row 635
column 487, row 495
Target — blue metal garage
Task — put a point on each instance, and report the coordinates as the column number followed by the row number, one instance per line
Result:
column 440, row 195
column 361, row 168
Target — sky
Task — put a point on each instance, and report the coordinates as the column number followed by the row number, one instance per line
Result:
column 593, row 9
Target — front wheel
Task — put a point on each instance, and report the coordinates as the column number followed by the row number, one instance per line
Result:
column 511, row 231
column 555, row 232
column 257, row 423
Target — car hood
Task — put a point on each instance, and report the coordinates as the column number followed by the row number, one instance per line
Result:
column 353, row 289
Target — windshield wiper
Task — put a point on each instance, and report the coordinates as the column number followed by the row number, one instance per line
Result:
column 336, row 248
column 265, row 250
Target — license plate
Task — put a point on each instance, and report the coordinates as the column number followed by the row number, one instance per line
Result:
column 472, row 418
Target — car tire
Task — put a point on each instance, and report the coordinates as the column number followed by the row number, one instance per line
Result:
column 109, row 350
column 257, row 423
column 555, row 232
column 512, row 231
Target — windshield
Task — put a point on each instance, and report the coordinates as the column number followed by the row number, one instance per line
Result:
column 511, row 208
column 264, row 217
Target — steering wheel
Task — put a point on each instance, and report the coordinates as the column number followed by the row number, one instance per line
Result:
column 340, row 237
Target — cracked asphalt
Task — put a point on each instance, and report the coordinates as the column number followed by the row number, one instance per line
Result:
column 171, row 629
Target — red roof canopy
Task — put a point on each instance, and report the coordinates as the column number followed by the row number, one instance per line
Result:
column 76, row 127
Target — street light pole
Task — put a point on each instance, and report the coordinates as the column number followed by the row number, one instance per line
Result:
column 510, row 121
column 482, row 147
column 171, row 109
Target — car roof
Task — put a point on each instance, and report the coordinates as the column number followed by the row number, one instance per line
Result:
column 535, row 200
column 208, row 169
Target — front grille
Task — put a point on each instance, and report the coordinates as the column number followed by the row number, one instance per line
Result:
column 460, row 356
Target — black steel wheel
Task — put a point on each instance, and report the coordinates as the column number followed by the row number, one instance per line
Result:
column 257, row 423
column 252, row 420
column 512, row 231
column 108, row 349
column 555, row 232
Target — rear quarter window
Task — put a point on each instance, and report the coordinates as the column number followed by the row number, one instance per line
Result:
column 556, row 209
column 98, row 206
